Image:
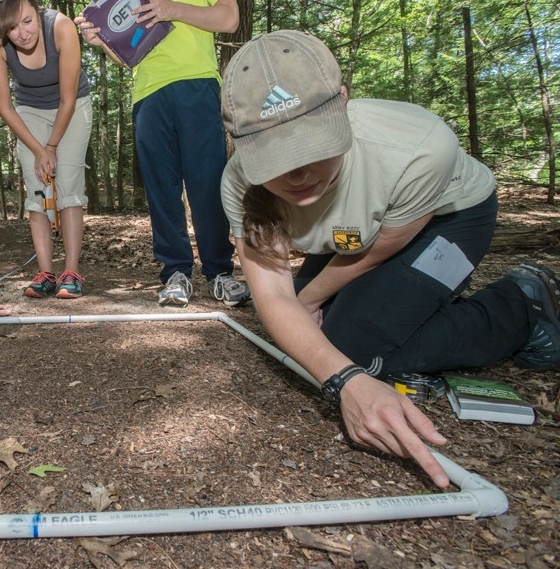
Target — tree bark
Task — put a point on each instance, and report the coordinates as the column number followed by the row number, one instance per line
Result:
column 407, row 70
column 355, row 34
column 120, row 143
column 514, row 239
column 104, row 130
column 545, row 104
column 92, row 183
column 471, row 84
column 2, row 187
column 230, row 43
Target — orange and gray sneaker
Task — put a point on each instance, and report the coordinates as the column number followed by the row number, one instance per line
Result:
column 69, row 285
column 42, row 285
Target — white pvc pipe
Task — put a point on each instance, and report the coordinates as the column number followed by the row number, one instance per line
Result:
column 477, row 496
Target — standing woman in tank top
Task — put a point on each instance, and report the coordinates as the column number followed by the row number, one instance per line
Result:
column 49, row 111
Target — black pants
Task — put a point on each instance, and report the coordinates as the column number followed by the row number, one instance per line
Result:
column 181, row 143
column 396, row 318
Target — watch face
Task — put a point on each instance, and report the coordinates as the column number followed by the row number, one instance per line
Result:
column 333, row 386
column 330, row 394
column 331, row 390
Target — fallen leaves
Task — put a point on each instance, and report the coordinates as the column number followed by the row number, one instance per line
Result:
column 97, row 546
column 47, row 497
column 101, row 497
column 42, row 469
column 307, row 538
column 215, row 440
column 8, row 447
column 5, row 481
column 549, row 407
column 142, row 393
column 372, row 554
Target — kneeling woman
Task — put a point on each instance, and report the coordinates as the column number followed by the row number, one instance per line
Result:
column 393, row 216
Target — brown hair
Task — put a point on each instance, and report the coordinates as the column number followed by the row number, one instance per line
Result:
column 265, row 223
column 9, row 15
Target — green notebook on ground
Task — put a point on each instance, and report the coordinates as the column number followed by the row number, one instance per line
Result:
column 484, row 399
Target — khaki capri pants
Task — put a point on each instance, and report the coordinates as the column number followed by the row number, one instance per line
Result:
column 70, row 155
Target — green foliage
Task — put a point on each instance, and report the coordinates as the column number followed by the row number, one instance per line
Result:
column 414, row 50
column 369, row 39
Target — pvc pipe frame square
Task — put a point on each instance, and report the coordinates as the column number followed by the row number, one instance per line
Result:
column 477, row 497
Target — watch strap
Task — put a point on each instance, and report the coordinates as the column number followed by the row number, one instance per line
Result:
column 350, row 371
column 333, row 386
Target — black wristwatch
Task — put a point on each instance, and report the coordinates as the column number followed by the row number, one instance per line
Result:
column 332, row 387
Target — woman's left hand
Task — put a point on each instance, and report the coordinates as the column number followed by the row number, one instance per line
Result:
column 155, row 11
column 45, row 163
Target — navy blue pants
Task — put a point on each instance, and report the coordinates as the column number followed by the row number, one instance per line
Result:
column 396, row 319
column 180, row 141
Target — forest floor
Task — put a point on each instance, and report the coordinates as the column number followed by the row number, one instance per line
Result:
column 155, row 415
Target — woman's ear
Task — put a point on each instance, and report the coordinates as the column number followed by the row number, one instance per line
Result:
column 344, row 93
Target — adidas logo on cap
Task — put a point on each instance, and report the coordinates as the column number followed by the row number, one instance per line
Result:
column 278, row 100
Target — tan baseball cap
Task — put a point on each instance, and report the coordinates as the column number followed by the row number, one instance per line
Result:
column 282, row 104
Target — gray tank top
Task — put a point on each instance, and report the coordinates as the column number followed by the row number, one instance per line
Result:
column 39, row 88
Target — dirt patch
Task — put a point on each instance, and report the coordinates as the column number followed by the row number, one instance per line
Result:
column 164, row 415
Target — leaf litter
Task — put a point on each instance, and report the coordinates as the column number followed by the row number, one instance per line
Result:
column 211, row 436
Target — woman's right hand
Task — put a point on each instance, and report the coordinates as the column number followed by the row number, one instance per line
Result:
column 378, row 416
column 318, row 316
column 312, row 305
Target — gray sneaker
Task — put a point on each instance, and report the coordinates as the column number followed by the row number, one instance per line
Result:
column 542, row 351
column 178, row 290
column 229, row 291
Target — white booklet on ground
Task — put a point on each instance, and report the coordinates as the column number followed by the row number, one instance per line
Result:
column 485, row 399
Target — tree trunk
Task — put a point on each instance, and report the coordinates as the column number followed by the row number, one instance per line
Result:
column 21, row 194
column 436, row 32
column 120, row 143
column 2, row 186
column 355, row 34
column 92, row 182
column 471, row 84
column 104, row 130
column 268, row 16
column 515, row 239
column 407, row 71
column 12, row 161
column 545, row 104
column 230, row 43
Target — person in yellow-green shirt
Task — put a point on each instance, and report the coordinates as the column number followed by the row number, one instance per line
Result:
column 180, row 141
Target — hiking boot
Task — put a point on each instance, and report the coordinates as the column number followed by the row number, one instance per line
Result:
column 178, row 290
column 69, row 285
column 540, row 284
column 229, row 291
column 42, row 285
